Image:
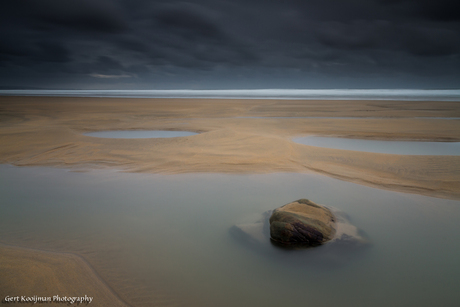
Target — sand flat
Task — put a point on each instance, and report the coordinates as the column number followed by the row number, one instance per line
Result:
column 48, row 131
column 27, row 274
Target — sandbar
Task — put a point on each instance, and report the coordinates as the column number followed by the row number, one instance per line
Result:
column 48, row 131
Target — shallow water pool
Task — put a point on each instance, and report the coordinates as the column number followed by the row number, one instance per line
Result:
column 387, row 147
column 139, row 134
column 162, row 240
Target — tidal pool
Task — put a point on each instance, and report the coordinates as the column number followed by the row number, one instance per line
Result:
column 344, row 117
column 164, row 240
column 139, row 134
column 387, row 147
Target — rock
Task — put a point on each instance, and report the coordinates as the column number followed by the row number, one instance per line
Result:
column 341, row 242
column 302, row 222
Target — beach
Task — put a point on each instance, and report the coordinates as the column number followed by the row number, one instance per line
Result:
column 235, row 136
column 109, row 244
column 40, row 278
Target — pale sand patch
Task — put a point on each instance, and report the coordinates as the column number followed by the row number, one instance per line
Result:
column 49, row 131
column 29, row 273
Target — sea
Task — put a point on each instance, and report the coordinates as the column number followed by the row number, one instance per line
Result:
column 332, row 94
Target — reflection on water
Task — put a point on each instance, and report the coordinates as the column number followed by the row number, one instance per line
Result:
column 164, row 240
column 139, row 134
column 344, row 117
column 387, row 147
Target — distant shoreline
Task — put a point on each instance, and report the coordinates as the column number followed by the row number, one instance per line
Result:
column 287, row 94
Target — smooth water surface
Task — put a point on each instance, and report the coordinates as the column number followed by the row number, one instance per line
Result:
column 162, row 240
column 344, row 117
column 387, row 147
column 139, row 134
column 333, row 94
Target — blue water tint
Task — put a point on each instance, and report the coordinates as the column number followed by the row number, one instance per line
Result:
column 387, row 147
column 139, row 134
column 333, row 94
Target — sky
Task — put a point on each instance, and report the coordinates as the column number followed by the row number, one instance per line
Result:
column 234, row 44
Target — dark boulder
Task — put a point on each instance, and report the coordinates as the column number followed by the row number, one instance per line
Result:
column 302, row 222
column 342, row 240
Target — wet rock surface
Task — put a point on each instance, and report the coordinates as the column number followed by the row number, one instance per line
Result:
column 327, row 226
column 302, row 222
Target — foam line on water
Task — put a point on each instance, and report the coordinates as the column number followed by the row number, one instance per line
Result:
column 332, row 94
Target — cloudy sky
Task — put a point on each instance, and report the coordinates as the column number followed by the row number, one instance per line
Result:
column 222, row 44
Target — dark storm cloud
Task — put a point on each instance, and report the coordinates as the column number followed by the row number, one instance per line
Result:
column 35, row 52
column 417, row 39
column 192, row 36
column 103, row 65
column 445, row 10
column 82, row 15
column 440, row 10
column 188, row 21
column 429, row 41
column 49, row 51
column 356, row 35
column 153, row 41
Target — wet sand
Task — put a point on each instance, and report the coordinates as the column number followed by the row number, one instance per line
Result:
column 45, row 131
column 31, row 277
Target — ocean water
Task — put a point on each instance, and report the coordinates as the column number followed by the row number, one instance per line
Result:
column 139, row 134
column 333, row 94
column 164, row 240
